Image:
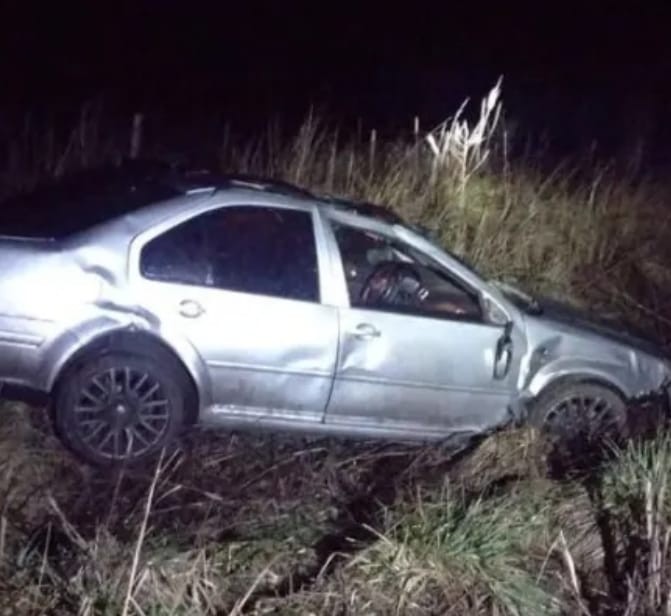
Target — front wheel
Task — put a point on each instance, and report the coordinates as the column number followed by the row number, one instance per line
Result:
column 580, row 411
column 119, row 408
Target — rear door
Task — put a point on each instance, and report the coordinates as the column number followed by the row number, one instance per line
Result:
column 242, row 284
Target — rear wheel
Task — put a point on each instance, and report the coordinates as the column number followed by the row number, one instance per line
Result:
column 119, row 408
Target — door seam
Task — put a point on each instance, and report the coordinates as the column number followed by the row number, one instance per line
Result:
column 335, row 369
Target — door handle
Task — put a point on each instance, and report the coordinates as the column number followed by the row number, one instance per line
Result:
column 190, row 309
column 365, row 331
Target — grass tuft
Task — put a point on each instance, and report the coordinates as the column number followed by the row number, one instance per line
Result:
column 451, row 554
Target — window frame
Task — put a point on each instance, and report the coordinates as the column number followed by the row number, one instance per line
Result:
column 387, row 231
column 169, row 223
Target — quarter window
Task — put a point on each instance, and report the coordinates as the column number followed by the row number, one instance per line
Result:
column 250, row 249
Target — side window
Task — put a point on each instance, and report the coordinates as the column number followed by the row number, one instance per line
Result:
column 250, row 249
column 385, row 274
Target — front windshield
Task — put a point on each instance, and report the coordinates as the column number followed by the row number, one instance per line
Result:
column 429, row 237
column 520, row 298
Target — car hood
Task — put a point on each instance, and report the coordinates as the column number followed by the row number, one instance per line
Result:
column 552, row 311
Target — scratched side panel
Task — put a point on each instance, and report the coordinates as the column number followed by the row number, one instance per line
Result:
column 42, row 291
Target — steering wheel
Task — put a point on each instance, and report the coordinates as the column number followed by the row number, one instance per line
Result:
column 393, row 283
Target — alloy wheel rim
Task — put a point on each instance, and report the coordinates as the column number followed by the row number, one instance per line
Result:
column 590, row 415
column 122, row 413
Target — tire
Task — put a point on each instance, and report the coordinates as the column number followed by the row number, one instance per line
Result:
column 119, row 408
column 583, row 410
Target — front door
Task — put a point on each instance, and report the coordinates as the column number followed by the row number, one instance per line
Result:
column 420, row 360
column 242, row 284
column 398, row 372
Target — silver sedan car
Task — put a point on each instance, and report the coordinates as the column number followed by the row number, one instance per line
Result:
column 245, row 303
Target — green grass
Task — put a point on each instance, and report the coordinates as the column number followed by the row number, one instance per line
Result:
column 435, row 555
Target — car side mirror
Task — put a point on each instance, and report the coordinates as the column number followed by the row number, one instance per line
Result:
column 504, row 352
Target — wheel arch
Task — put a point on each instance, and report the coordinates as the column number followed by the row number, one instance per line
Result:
column 142, row 343
column 554, row 376
column 585, row 378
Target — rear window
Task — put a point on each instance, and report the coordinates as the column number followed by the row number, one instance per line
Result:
column 80, row 201
column 249, row 249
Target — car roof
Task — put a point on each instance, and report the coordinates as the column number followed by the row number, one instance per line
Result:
column 83, row 200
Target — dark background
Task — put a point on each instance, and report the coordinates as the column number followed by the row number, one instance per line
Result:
column 574, row 73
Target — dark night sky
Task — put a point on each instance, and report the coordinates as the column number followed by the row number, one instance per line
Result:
column 567, row 65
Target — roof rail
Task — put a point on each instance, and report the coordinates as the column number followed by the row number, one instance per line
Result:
column 364, row 208
column 267, row 185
